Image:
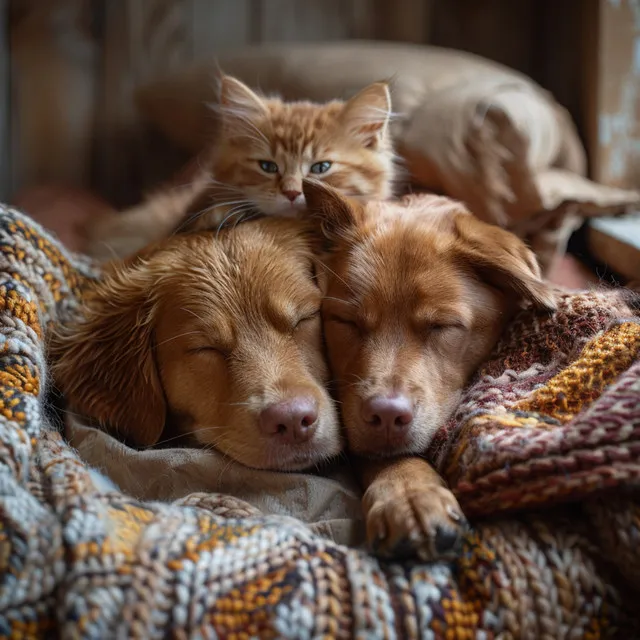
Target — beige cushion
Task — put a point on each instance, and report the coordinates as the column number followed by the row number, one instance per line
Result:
column 466, row 127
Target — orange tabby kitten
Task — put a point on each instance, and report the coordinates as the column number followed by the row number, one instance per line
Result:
column 264, row 149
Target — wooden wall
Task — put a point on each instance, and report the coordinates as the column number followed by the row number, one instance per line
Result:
column 75, row 65
column 4, row 99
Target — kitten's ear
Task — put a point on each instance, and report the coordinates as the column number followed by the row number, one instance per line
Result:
column 336, row 216
column 367, row 114
column 238, row 104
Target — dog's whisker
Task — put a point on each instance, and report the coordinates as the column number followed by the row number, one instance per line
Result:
column 330, row 270
column 182, row 435
column 230, row 462
column 193, row 313
column 341, row 300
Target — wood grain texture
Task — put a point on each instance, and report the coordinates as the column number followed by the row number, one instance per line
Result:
column 91, row 120
column 500, row 30
column 402, row 20
column 116, row 121
column 140, row 41
column 220, row 24
column 305, row 20
column 362, row 19
column 5, row 142
column 53, row 59
column 613, row 93
column 560, row 64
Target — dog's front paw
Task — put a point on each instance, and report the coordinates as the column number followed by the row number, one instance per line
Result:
column 405, row 520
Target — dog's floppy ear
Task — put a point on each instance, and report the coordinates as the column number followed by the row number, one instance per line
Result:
column 502, row 259
column 336, row 216
column 104, row 362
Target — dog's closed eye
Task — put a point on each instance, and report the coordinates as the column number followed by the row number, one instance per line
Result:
column 444, row 327
column 310, row 316
column 208, row 350
column 348, row 322
column 306, row 321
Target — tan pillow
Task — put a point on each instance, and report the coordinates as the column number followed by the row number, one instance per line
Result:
column 466, row 127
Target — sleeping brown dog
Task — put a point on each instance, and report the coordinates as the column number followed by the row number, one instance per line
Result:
column 215, row 335
column 418, row 293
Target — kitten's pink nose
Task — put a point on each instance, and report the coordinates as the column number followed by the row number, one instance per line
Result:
column 292, row 194
column 393, row 413
column 293, row 421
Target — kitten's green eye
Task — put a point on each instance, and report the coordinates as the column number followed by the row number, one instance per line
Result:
column 267, row 166
column 321, row 167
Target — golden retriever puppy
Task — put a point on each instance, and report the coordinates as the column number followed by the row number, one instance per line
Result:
column 418, row 294
column 214, row 334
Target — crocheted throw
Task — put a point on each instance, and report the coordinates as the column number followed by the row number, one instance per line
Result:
column 552, row 421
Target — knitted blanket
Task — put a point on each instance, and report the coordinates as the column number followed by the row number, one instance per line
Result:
column 552, row 422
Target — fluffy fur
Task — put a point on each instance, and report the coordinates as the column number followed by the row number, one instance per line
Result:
column 207, row 336
column 263, row 150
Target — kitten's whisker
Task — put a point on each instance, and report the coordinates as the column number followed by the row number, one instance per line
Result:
column 251, row 138
column 216, row 205
column 192, row 218
column 222, row 186
column 254, row 216
column 245, row 120
column 243, row 218
column 218, row 194
column 234, row 212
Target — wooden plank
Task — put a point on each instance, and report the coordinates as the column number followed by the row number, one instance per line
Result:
column 52, row 92
column 501, row 30
column 141, row 40
column 5, row 141
column 613, row 92
column 161, row 36
column 116, row 171
column 220, row 24
column 305, row 20
column 615, row 242
column 559, row 60
column 363, row 23
column 402, row 20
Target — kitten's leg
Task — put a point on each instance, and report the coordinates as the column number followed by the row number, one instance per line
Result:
column 409, row 511
column 123, row 234
column 203, row 214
